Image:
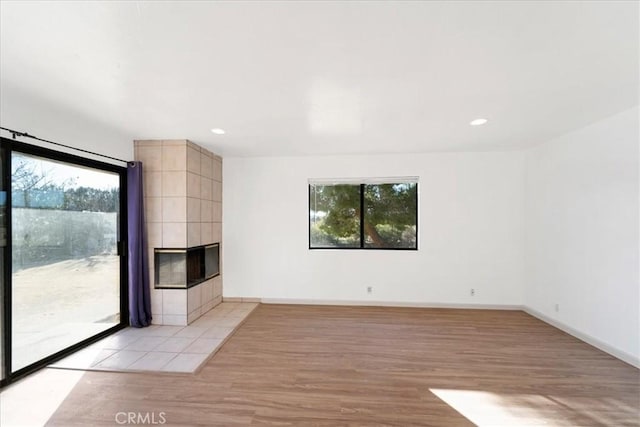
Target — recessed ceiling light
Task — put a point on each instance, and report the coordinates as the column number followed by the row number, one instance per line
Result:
column 478, row 122
column 218, row 131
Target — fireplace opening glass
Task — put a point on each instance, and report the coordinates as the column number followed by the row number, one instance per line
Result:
column 186, row 267
column 211, row 260
column 195, row 266
column 171, row 268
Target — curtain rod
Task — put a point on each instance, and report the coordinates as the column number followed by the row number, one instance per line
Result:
column 16, row 133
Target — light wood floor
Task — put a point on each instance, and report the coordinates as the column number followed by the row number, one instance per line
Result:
column 333, row 366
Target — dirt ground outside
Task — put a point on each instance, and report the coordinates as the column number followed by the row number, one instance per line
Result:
column 58, row 304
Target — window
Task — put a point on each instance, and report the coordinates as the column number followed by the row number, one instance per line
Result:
column 370, row 214
column 63, row 277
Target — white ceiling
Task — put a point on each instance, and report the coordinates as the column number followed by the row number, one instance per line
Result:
column 287, row 78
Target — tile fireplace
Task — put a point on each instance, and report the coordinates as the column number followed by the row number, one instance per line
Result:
column 183, row 219
column 184, row 268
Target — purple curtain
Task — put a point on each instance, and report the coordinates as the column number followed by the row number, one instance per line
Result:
column 139, row 292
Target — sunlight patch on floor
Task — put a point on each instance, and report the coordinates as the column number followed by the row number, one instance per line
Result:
column 490, row 409
column 32, row 401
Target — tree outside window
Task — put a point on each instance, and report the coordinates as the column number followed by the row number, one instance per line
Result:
column 364, row 216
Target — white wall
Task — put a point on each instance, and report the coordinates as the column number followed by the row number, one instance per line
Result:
column 582, row 233
column 470, row 231
column 27, row 112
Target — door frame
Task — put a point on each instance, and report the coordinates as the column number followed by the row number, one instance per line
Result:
column 9, row 146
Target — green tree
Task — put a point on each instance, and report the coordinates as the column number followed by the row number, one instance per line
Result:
column 389, row 215
column 390, row 210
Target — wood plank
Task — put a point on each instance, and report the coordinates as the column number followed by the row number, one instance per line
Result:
column 293, row 365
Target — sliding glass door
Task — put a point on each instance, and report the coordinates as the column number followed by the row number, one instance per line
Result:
column 66, row 273
column 4, row 338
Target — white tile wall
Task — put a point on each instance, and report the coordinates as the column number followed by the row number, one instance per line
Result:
column 153, row 209
column 151, row 157
column 193, row 160
column 152, row 183
column 195, row 314
column 207, row 306
column 174, row 234
column 217, row 286
column 182, row 180
column 193, row 185
column 174, row 209
column 217, row 191
column 217, row 169
column 154, row 234
column 193, row 234
column 216, row 210
column 156, row 300
column 207, row 291
column 193, row 209
column 174, row 184
column 206, row 233
column 206, row 189
column 174, row 157
column 206, row 166
column 174, row 319
column 157, row 319
column 194, row 298
column 174, row 301
column 217, row 231
column 206, row 211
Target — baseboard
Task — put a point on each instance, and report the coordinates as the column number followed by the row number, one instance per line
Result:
column 240, row 299
column 389, row 304
column 258, row 300
column 624, row 356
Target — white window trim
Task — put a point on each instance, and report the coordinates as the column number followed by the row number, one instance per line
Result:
column 358, row 181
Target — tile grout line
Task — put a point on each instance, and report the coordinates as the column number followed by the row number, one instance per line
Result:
column 133, row 336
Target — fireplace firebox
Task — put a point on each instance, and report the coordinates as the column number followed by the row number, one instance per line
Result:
column 182, row 268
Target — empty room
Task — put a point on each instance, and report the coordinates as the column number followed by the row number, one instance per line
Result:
column 320, row 213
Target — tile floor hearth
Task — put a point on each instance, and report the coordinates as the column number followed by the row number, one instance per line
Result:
column 162, row 348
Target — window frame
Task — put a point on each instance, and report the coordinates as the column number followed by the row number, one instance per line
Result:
column 362, row 183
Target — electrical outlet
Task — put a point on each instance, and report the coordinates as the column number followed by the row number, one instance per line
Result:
column 473, row 292
column 557, row 307
column 369, row 289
